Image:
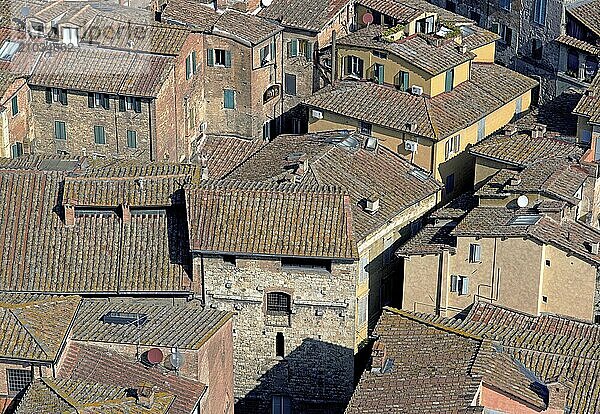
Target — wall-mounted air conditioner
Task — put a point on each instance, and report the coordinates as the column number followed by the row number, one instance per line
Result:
column 416, row 90
column 317, row 114
column 410, row 146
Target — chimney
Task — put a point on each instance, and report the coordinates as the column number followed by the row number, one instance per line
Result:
column 510, row 130
column 126, row 212
column 204, row 173
column 538, row 131
column 145, row 396
column 558, row 389
column 69, row 215
column 515, row 180
column 378, row 357
column 371, row 204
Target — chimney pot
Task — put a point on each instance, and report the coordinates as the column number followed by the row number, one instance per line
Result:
column 69, row 215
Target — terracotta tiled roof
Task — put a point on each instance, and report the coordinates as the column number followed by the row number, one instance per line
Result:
column 433, row 368
column 490, row 87
column 100, row 253
column 247, row 27
column 444, row 15
column 43, row 162
column 578, row 44
column 271, row 219
column 112, row 32
column 221, row 154
column 185, row 325
column 312, row 15
column 98, row 365
column 65, row 396
column 362, row 172
column 418, row 50
column 35, row 327
column 396, row 9
column 589, row 105
column 570, row 236
column 549, row 345
column 192, row 13
column 474, row 36
column 523, row 149
column 93, row 69
column 588, row 13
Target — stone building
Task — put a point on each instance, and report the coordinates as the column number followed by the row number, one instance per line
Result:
column 495, row 360
column 423, row 90
column 518, row 241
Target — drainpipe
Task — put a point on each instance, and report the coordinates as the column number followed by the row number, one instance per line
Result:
column 333, row 58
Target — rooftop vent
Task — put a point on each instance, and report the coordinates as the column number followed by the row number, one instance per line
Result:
column 371, row 143
column 538, row 131
column 593, row 247
column 371, row 204
column 350, row 142
column 125, row 318
column 510, row 130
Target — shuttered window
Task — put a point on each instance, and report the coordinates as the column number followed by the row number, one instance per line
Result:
column 449, row 80
column 99, row 135
column 60, row 130
column 474, row 253
column 228, row 99
column 16, row 150
column 539, row 11
column 131, row 139
column 459, row 284
column 363, row 306
column 290, row 84
column 15, row 105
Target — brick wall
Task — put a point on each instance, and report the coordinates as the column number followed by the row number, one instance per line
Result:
column 318, row 335
column 15, row 128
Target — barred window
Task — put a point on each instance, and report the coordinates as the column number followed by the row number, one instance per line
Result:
column 18, row 379
column 278, row 303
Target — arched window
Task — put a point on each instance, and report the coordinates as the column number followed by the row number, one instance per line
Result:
column 278, row 303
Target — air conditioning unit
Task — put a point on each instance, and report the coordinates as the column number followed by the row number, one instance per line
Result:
column 410, row 146
column 202, row 127
column 416, row 90
column 317, row 114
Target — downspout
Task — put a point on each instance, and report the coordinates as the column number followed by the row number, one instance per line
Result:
column 333, row 58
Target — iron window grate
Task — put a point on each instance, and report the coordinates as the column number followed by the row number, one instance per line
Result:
column 18, row 380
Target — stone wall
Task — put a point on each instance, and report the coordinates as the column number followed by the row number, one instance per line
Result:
column 317, row 369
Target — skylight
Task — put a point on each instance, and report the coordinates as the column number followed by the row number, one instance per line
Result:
column 8, row 49
column 525, row 220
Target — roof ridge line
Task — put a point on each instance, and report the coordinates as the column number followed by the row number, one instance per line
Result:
column 52, row 385
column 441, row 326
column 42, row 346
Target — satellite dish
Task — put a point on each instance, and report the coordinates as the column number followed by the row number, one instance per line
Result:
column 266, row 3
column 522, row 201
column 367, row 18
column 25, row 11
column 154, row 356
column 176, row 360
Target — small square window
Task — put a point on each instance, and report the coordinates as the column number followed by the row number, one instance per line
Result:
column 366, row 128
column 474, row 253
column 16, row 150
column 220, row 57
column 18, row 380
column 548, row 263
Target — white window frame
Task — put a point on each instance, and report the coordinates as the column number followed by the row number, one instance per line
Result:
column 70, row 36
column 354, row 65
column 55, row 95
column 220, row 53
column 8, row 49
column 452, row 146
column 474, row 253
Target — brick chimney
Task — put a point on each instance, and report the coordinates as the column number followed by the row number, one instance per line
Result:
column 558, row 389
column 378, row 357
column 69, row 215
column 145, row 396
column 126, row 213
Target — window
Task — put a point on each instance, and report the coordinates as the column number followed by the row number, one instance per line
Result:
column 449, row 185
column 519, row 105
column 474, row 253
column 591, row 68
column 354, row 66
column 449, row 80
column 539, row 11
column 379, row 54
column 363, row 272
column 362, row 306
column 99, row 135
column 229, row 259
column 452, row 146
column 131, row 139
column 8, row 49
column 366, row 128
column 481, row 129
column 267, row 54
column 536, row 49
column 16, row 150
column 451, row 6
column 18, row 380
column 190, row 65
column 573, row 63
column 300, row 47
column 281, row 404
column 279, row 345
column 505, row 4
column 69, row 36
column 267, row 130
column 306, row 264
column 14, row 103
column 548, row 263
column 37, row 28
column 290, row 84
column 218, row 57
column 60, row 130
column 378, row 73
column 278, row 303
column 228, row 99
column 504, row 31
column 459, row 284
column 98, row 100
column 56, row 95
column 128, row 103
column 545, row 299
column 402, row 80
column 426, row 25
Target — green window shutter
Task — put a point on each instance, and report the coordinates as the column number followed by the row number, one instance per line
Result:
column 131, row 139
column 188, row 67
column 449, row 80
column 227, row 59
column 15, row 105
column 229, row 99
column 60, row 131
column 90, row 99
column 63, row 96
column 273, row 50
column 380, row 74
column 17, row 150
column 308, row 52
column 210, row 57
column 121, row 104
column 105, row 101
column 294, row 48
column 48, row 95
column 99, row 135
column 194, row 62
column 361, row 67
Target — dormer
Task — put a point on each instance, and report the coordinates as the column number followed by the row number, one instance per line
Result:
column 424, row 23
column 69, row 34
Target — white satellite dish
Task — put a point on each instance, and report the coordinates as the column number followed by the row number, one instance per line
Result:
column 522, row 201
column 266, row 3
